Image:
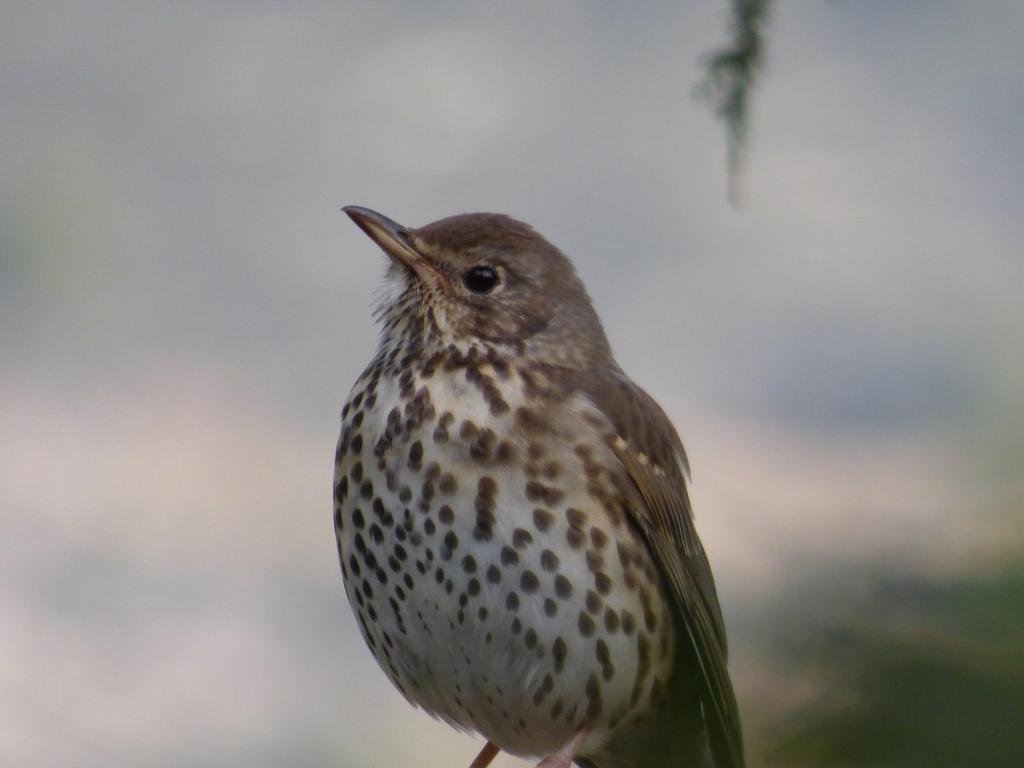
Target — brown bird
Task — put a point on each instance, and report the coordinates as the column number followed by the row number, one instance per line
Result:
column 512, row 515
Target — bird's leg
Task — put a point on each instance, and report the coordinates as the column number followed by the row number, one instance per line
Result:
column 487, row 754
column 563, row 757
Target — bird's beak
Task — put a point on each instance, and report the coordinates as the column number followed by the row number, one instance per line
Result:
column 392, row 237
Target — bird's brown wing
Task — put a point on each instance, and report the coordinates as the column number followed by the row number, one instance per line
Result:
column 652, row 455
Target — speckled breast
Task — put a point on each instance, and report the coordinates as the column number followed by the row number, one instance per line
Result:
column 487, row 556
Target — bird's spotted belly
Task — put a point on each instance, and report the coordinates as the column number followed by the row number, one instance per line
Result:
column 490, row 573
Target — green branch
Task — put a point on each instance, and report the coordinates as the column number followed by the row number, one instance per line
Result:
column 731, row 74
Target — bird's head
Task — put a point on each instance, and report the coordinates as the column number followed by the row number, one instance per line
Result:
column 489, row 279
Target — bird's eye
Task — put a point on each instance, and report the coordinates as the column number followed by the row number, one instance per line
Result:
column 481, row 279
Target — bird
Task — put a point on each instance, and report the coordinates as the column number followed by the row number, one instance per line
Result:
column 513, row 519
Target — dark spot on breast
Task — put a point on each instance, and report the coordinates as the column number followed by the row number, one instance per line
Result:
column 544, row 690
column 542, row 519
column 611, row 621
column 529, row 420
column 585, row 624
column 549, row 560
column 650, row 619
column 505, row 452
column 341, row 489
column 528, row 582
column 415, row 455
column 536, row 491
column 575, row 517
column 449, row 545
column 447, row 484
column 563, row 587
column 426, row 494
column 480, row 449
column 376, row 534
column 628, row 622
column 484, row 504
column 559, row 650
column 521, row 538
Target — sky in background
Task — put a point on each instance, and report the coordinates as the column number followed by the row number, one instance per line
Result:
column 183, row 310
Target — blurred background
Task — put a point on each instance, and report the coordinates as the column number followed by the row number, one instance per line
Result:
column 183, row 310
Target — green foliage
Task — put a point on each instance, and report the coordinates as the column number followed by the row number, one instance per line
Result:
column 925, row 675
column 731, row 74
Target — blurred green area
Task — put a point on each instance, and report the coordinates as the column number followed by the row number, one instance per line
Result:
column 920, row 672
